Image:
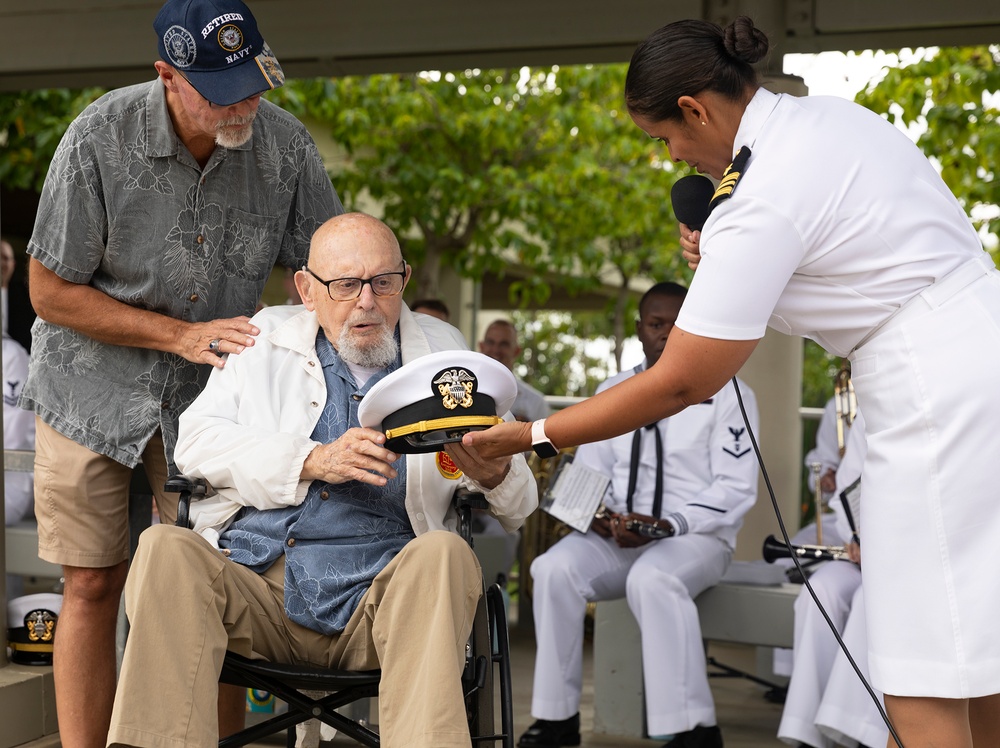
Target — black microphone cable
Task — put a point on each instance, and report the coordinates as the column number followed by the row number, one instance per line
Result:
column 805, row 579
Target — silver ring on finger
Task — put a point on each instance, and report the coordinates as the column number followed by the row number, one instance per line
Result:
column 213, row 345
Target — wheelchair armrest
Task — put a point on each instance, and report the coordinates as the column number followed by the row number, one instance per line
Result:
column 466, row 497
column 190, row 489
column 465, row 500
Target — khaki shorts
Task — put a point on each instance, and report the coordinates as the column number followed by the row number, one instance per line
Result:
column 81, row 499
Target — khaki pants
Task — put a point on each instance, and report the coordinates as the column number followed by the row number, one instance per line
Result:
column 187, row 604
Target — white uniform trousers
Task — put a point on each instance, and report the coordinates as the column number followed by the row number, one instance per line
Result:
column 847, row 714
column 783, row 659
column 660, row 581
column 814, row 650
column 927, row 385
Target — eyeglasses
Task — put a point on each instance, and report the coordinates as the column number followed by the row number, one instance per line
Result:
column 348, row 289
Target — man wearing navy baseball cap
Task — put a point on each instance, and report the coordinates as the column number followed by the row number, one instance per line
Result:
column 217, row 47
column 166, row 207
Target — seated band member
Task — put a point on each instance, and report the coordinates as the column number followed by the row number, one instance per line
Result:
column 693, row 474
column 334, row 551
column 827, row 704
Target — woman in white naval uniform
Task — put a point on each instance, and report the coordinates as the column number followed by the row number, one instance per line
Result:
column 833, row 225
column 695, row 474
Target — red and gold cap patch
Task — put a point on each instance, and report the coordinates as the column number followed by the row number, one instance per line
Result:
column 447, row 467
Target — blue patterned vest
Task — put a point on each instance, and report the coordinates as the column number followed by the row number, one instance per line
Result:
column 342, row 535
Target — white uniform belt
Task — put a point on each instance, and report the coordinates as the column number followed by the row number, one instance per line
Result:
column 934, row 295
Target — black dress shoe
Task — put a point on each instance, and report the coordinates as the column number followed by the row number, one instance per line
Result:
column 776, row 695
column 545, row 733
column 699, row 737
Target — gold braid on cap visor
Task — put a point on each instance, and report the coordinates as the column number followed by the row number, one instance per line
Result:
column 455, row 422
column 23, row 647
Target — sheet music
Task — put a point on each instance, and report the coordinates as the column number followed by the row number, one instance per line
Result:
column 575, row 495
column 850, row 498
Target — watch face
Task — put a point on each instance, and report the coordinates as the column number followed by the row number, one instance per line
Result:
column 545, row 449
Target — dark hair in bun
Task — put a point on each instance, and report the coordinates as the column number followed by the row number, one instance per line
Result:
column 687, row 57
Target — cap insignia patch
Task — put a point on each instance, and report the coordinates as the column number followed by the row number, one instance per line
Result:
column 455, row 387
column 41, row 625
column 447, row 467
column 180, row 46
column 269, row 66
column 230, row 38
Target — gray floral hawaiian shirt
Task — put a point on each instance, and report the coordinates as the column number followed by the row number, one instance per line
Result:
column 128, row 210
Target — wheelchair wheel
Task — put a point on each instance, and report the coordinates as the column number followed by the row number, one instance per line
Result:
column 487, row 674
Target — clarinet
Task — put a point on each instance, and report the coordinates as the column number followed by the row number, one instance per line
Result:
column 638, row 526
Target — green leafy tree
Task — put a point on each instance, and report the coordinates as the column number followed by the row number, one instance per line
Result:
column 608, row 214
column 555, row 356
column 31, row 125
column 481, row 169
column 446, row 157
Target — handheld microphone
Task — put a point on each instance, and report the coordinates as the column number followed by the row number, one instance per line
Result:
column 690, row 197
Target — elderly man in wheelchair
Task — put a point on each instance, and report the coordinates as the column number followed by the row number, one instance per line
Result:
column 316, row 545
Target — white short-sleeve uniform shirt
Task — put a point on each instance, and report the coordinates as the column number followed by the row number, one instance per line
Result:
column 837, row 222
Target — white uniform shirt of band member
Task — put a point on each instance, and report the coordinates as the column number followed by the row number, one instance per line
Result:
column 709, row 468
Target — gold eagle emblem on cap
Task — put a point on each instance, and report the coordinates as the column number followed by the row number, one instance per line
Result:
column 455, row 387
column 230, row 38
column 41, row 625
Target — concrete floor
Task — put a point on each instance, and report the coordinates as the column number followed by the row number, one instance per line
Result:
column 746, row 718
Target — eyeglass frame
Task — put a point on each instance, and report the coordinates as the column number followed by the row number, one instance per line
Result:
column 363, row 281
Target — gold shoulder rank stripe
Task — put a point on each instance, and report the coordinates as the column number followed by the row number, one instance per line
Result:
column 730, row 178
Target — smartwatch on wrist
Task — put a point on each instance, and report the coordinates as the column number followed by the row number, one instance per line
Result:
column 540, row 442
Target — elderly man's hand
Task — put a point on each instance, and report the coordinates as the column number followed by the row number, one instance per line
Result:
column 357, row 455
column 487, row 472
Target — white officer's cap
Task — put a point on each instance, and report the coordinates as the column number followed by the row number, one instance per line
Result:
column 435, row 399
column 31, row 622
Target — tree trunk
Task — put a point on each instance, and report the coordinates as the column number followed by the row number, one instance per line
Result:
column 621, row 303
column 427, row 276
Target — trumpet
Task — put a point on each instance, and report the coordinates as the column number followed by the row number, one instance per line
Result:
column 846, row 404
column 646, row 529
column 774, row 549
column 816, row 467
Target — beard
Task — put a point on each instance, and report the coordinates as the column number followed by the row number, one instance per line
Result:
column 375, row 352
column 235, row 131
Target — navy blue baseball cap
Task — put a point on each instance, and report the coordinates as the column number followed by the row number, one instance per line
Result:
column 217, row 47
